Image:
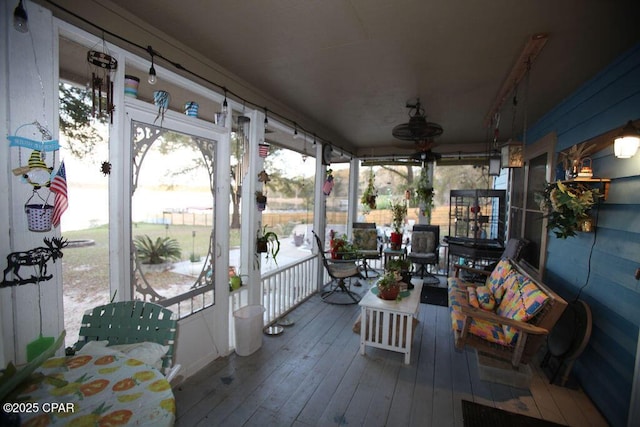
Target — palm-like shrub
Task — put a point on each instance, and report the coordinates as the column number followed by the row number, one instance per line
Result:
column 164, row 249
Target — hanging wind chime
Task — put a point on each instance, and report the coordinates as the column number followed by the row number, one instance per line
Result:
column 102, row 65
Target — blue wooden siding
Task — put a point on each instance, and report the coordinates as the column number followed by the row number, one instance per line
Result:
column 599, row 267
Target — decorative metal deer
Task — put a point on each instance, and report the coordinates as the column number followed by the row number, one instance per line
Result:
column 36, row 258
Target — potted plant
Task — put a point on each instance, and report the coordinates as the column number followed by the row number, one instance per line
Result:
column 398, row 214
column 388, row 286
column 572, row 159
column 261, row 200
column 424, row 192
column 268, row 243
column 566, row 206
column 402, row 267
column 370, row 193
column 159, row 253
column 341, row 248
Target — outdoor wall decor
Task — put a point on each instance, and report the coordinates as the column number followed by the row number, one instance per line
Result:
column 328, row 183
column 102, row 65
column 161, row 100
column 35, row 172
column 37, row 258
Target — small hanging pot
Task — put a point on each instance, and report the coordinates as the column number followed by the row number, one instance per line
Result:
column 38, row 214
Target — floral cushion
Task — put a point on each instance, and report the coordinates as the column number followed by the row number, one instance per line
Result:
column 365, row 238
column 521, row 301
column 497, row 278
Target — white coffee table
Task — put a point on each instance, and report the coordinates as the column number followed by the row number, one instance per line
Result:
column 395, row 318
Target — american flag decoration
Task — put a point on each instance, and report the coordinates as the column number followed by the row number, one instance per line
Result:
column 263, row 149
column 59, row 187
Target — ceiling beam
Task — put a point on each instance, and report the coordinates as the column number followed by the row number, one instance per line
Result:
column 531, row 50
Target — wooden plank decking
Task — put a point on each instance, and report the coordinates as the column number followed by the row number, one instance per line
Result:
column 313, row 374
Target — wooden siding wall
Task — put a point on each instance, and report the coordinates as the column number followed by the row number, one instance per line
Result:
column 599, row 267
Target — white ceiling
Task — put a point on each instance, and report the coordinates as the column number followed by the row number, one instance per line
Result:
column 351, row 65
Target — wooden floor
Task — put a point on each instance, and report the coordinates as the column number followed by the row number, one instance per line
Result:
column 313, row 374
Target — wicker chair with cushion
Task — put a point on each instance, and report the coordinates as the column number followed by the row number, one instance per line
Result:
column 121, row 325
column 365, row 238
column 425, row 241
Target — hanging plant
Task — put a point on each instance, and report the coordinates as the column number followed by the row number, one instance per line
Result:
column 424, row 192
column 370, row 193
column 261, row 200
column 566, row 206
column 268, row 243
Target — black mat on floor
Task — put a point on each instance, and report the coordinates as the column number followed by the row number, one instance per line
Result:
column 434, row 296
column 477, row 415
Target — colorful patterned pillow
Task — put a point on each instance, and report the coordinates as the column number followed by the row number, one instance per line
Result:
column 498, row 276
column 485, row 298
column 487, row 330
column 473, row 297
column 522, row 300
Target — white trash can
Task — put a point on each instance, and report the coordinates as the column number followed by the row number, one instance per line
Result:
column 248, row 327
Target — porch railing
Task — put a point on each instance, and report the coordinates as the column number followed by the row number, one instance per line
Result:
column 286, row 287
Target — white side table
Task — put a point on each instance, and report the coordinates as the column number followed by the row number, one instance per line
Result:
column 389, row 324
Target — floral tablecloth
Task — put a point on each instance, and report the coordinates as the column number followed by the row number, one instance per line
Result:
column 101, row 390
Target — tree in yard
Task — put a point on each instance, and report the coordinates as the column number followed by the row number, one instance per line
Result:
column 76, row 120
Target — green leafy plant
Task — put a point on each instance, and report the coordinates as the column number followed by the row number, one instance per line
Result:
column 397, row 264
column 370, row 193
column 424, row 192
column 566, row 206
column 341, row 248
column 268, row 243
column 160, row 251
column 398, row 214
column 388, row 280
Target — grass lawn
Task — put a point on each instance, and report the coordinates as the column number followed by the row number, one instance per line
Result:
column 88, row 266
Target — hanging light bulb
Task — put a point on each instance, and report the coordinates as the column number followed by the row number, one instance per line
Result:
column 153, row 78
column 20, row 18
column 266, row 120
column 225, row 105
column 295, row 131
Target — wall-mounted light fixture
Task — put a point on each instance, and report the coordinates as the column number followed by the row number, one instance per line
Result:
column 512, row 154
column 626, row 144
column 20, row 19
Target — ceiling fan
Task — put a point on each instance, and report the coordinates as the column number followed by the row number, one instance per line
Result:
column 418, row 128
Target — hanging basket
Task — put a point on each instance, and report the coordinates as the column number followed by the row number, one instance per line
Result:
column 263, row 150
column 39, row 217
